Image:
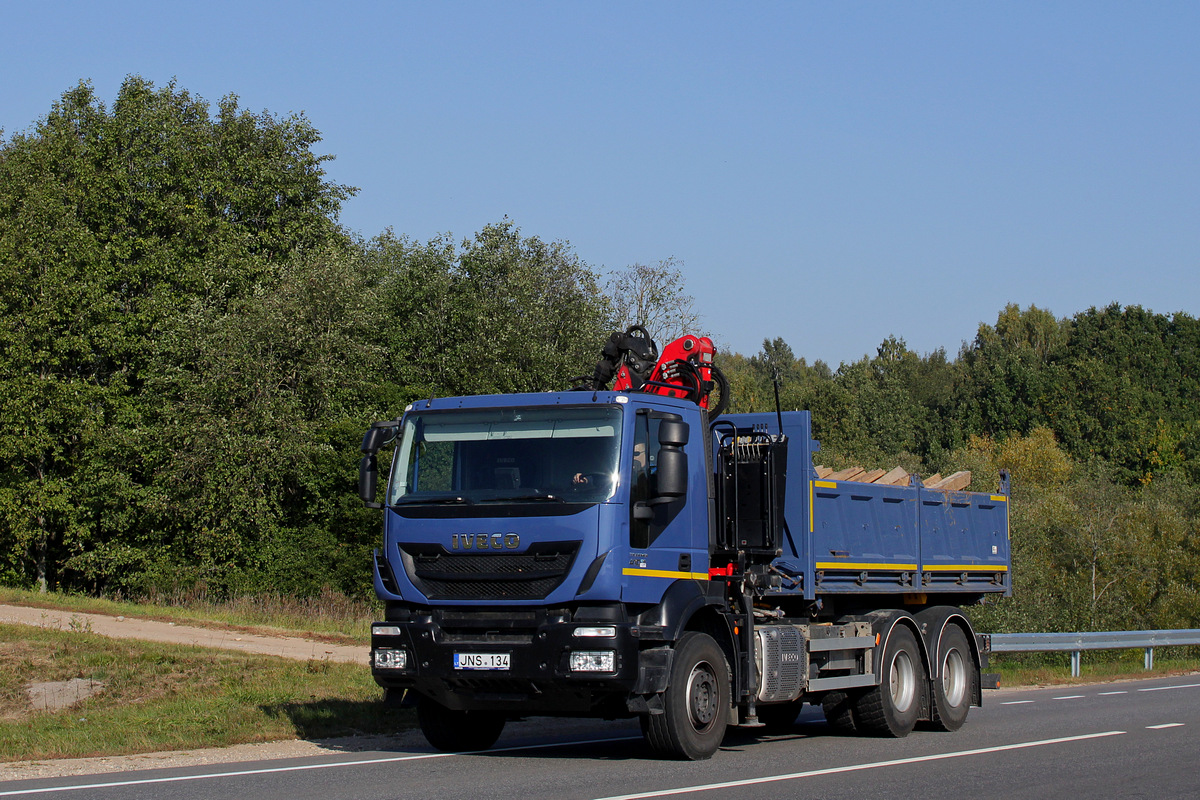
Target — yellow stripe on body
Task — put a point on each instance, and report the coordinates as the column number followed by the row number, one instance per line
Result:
column 999, row 498
column 964, row 568
column 826, row 484
column 662, row 573
column 811, row 520
column 857, row 565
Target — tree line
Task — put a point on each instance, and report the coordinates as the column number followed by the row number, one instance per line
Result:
column 191, row 346
column 1097, row 418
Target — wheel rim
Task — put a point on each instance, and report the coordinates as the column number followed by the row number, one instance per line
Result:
column 902, row 681
column 702, row 692
column 954, row 677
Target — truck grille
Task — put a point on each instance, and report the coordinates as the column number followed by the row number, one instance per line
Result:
column 532, row 575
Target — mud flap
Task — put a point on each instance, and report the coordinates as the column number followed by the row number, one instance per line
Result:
column 654, row 671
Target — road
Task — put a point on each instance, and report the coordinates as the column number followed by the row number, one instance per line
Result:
column 1126, row 740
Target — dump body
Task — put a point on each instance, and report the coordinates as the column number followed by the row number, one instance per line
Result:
column 862, row 538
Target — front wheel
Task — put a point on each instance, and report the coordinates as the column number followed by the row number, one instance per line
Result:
column 457, row 731
column 695, row 704
column 892, row 707
column 955, row 686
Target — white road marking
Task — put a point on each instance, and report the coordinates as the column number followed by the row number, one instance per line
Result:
column 1164, row 725
column 1069, row 697
column 1015, row 702
column 1164, row 688
column 303, row 767
column 1105, row 694
column 858, row 767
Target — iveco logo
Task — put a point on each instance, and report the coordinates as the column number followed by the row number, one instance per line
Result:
column 484, row 541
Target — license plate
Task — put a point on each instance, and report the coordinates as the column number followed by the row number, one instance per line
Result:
column 481, row 660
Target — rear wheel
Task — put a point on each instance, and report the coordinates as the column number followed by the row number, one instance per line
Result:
column 456, row 731
column 695, row 704
column 839, row 711
column 892, row 707
column 955, row 686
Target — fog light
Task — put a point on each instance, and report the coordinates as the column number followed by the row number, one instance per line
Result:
column 390, row 658
column 593, row 661
column 605, row 631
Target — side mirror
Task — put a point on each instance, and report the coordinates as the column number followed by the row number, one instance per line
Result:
column 368, row 479
column 375, row 436
column 672, row 476
column 672, row 433
column 368, row 467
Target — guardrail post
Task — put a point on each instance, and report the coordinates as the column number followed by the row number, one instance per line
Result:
column 1149, row 658
column 1075, row 659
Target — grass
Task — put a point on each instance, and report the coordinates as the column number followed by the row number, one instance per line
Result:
column 171, row 697
column 1052, row 669
column 328, row 617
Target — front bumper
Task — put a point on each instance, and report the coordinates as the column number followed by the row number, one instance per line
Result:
column 539, row 678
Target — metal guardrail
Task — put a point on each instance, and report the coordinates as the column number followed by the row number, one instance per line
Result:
column 1076, row 643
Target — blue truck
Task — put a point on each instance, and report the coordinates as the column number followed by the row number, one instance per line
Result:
column 628, row 553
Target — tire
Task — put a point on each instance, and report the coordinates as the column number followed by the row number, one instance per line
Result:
column 892, row 707
column 779, row 717
column 458, row 731
column 695, row 704
column 839, row 712
column 954, row 689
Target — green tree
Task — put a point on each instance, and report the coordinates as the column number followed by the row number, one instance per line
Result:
column 112, row 223
column 1129, row 389
column 501, row 312
column 269, row 400
column 1008, row 373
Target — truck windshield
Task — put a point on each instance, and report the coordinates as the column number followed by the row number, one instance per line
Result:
column 505, row 455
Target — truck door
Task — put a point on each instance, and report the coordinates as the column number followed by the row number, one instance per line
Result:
column 668, row 537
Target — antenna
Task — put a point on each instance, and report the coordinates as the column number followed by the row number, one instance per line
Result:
column 778, row 409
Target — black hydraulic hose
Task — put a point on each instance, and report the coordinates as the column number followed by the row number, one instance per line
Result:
column 723, row 402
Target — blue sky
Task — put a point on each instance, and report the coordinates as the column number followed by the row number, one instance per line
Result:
column 828, row 173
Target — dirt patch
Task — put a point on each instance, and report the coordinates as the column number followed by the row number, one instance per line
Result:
column 55, row 695
column 301, row 649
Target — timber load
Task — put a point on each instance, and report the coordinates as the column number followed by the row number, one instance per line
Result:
column 897, row 476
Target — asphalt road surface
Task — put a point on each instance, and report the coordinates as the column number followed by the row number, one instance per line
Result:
column 1119, row 740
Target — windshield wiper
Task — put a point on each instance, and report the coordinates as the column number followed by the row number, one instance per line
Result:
column 433, row 501
column 525, row 498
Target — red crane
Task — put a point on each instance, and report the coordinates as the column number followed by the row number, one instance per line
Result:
column 683, row 369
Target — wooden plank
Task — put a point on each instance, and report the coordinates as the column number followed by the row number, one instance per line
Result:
column 870, row 477
column 931, row 480
column 898, row 476
column 848, row 474
column 824, row 472
column 954, row 483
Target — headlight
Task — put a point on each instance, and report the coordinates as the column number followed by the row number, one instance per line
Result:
column 593, row 661
column 390, row 658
